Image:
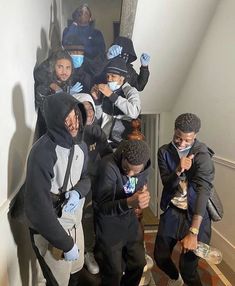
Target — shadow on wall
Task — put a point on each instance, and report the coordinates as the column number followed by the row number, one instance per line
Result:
column 25, row 255
column 20, row 142
column 42, row 51
column 54, row 37
column 54, row 31
column 18, row 150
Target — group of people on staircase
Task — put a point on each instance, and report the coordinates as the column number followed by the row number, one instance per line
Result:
column 87, row 184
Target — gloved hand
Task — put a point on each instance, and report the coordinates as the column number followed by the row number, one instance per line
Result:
column 72, row 254
column 76, row 88
column 114, row 51
column 144, row 59
column 73, row 198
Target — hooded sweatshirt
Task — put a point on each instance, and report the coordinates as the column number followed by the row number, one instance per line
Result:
column 110, row 197
column 94, row 137
column 136, row 80
column 46, row 167
column 200, row 176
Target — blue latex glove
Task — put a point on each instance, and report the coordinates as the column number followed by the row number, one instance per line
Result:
column 72, row 254
column 114, row 51
column 144, row 59
column 73, row 198
column 76, row 88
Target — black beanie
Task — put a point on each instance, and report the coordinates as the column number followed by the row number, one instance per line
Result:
column 73, row 43
column 117, row 66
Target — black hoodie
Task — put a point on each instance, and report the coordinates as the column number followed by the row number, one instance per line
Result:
column 136, row 80
column 110, row 198
column 46, row 167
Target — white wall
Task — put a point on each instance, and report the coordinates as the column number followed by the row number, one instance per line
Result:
column 104, row 12
column 171, row 32
column 209, row 92
column 25, row 27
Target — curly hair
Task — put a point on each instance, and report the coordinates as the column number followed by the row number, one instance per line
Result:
column 136, row 152
column 188, row 122
column 59, row 55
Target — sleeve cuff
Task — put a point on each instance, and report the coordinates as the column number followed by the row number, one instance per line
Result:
column 144, row 67
column 113, row 97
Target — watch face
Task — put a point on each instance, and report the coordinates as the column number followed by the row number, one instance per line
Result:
column 193, row 230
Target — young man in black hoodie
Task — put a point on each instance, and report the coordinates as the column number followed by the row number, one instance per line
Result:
column 98, row 147
column 56, row 233
column 123, row 47
column 122, row 187
column 187, row 172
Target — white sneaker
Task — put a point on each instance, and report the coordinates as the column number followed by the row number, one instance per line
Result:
column 178, row 282
column 149, row 263
column 91, row 264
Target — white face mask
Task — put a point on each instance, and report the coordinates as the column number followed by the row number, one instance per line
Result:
column 113, row 85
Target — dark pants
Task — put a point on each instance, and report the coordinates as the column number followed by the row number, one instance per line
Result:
column 88, row 223
column 120, row 249
column 174, row 225
column 187, row 264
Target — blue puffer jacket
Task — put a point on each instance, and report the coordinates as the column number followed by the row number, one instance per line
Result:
column 92, row 38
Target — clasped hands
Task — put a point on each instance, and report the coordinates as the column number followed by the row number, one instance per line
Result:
column 103, row 88
column 139, row 199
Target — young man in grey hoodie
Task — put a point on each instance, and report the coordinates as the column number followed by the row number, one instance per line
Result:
column 56, row 233
column 117, row 102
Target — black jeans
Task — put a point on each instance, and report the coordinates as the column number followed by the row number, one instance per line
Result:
column 120, row 249
column 174, row 225
column 188, row 262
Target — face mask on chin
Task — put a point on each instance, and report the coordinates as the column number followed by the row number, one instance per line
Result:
column 77, row 60
column 181, row 150
column 113, row 85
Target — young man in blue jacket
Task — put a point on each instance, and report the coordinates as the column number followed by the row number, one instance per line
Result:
column 187, row 172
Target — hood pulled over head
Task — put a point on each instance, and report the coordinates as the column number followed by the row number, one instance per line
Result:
column 57, row 107
column 82, row 97
column 127, row 47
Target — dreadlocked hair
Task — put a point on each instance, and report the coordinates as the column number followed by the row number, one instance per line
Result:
column 188, row 122
column 136, row 152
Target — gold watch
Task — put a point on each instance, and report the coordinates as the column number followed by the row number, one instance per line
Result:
column 194, row 230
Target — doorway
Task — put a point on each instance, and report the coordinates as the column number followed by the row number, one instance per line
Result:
column 150, row 129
